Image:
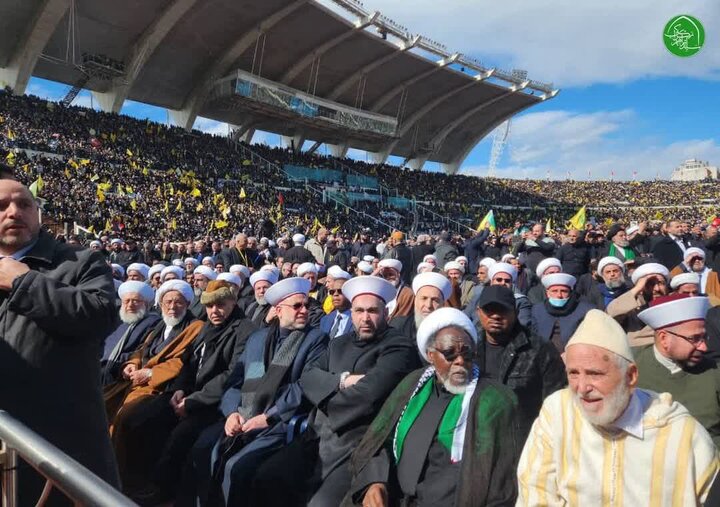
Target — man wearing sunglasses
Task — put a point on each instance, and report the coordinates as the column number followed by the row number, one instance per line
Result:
column 264, row 395
column 338, row 321
column 515, row 356
column 676, row 361
column 423, row 447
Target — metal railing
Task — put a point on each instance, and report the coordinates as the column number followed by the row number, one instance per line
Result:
column 61, row 471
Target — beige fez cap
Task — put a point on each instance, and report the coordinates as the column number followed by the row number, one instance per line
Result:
column 601, row 330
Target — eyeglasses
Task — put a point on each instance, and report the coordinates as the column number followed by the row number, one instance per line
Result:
column 451, row 355
column 335, row 292
column 298, row 306
column 692, row 340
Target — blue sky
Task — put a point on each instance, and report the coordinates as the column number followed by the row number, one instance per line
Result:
column 626, row 104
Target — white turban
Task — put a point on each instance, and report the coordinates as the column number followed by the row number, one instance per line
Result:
column 229, row 277
column 259, row 276
column 119, row 269
column 374, row 285
column 507, row 257
column 453, row 265
column 651, row 268
column 239, row 268
column 206, row 272
column 299, row 239
column 601, row 330
column 155, row 268
column 208, row 258
column 684, row 278
column 430, row 257
column 286, row 288
column 606, row 261
column 180, row 286
column 502, row 267
column 440, row 319
column 139, row 267
column 338, row 273
column 559, row 279
column 368, row 258
column 306, row 267
column 694, row 252
column 425, row 266
column 547, row 263
column 435, row 280
column 487, row 262
column 177, row 270
column 191, row 260
column 390, row 263
column 135, row 287
column 365, row 267
column 178, row 262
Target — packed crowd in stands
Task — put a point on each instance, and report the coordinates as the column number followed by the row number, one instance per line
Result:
column 225, row 336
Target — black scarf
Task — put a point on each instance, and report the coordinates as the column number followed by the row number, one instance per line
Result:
column 210, row 332
column 563, row 310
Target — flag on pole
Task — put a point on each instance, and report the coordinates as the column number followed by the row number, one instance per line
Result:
column 195, row 192
column 100, row 194
column 548, row 226
column 133, row 204
column 243, row 195
column 488, row 221
column 578, row 220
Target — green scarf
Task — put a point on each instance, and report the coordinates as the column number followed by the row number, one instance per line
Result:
column 627, row 252
column 446, row 430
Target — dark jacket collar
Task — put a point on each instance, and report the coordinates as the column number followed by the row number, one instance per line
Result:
column 44, row 248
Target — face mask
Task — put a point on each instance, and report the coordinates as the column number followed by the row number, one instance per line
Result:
column 557, row 303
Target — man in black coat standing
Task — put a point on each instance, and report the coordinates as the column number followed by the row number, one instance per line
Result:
column 670, row 248
column 574, row 255
column 57, row 306
column 240, row 254
column 347, row 386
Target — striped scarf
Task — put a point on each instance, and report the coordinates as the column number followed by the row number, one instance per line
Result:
column 451, row 432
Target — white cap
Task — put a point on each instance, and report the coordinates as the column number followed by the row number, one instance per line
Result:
column 430, row 257
column 673, row 310
column 369, row 285
column 694, row 252
column 178, row 262
column 601, row 330
column 139, row 267
column 435, row 280
column 179, row 272
column 610, row 259
column 368, row 258
column 365, row 267
column 425, row 266
column 286, row 288
column 461, row 258
column 175, row 285
column 507, row 257
column 547, row 263
column 239, row 268
column 306, row 267
column 191, row 260
column 208, row 258
column 558, row 279
column 390, row 263
column 487, row 262
column 117, row 241
column 338, row 273
column 453, row 265
column 155, row 268
column 440, row 319
column 229, row 277
column 651, row 268
column 96, row 243
column 271, row 268
column 135, row 287
column 119, row 269
column 299, row 239
column 632, row 229
column 502, row 267
column 267, row 276
column 206, row 272
column 684, row 278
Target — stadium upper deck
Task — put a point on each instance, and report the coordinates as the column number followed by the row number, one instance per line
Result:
column 346, row 62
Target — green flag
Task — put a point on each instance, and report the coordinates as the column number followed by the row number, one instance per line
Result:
column 489, row 221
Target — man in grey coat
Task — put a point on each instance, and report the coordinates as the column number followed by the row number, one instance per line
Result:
column 56, row 306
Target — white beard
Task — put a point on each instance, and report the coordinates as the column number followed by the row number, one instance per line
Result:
column 173, row 321
column 419, row 317
column 261, row 301
column 614, row 284
column 613, row 406
column 132, row 318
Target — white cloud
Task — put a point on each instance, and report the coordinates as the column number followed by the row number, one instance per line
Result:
column 557, row 142
column 569, row 42
column 211, row 126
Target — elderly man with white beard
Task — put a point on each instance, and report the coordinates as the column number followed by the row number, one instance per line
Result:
column 259, row 311
column 709, row 280
column 136, row 301
column 202, row 275
column 607, row 285
column 445, row 435
column 431, row 291
column 603, row 441
column 390, row 270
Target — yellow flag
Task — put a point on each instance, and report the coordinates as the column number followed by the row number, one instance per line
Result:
column 195, row 192
column 73, row 164
column 113, row 137
column 84, row 161
column 91, row 229
column 94, row 178
column 199, row 207
column 167, row 207
column 158, row 192
column 10, row 158
column 108, row 225
column 34, row 188
column 179, row 206
column 548, row 226
column 67, row 173
column 100, row 194
column 26, row 168
column 242, row 193
column 173, row 224
column 170, row 189
column 10, row 134
column 220, row 224
column 128, row 152
column 128, row 189
column 120, row 190
column 145, row 171
column 578, row 220
column 133, row 204
column 335, row 229
column 105, row 186
column 488, row 220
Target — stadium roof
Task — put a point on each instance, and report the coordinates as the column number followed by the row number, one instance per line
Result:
column 173, row 54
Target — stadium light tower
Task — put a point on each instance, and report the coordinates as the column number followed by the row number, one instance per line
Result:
column 502, row 133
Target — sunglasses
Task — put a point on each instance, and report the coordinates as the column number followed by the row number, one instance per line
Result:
column 297, row 306
column 503, row 280
column 335, row 292
column 451, row 355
